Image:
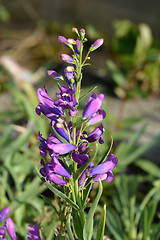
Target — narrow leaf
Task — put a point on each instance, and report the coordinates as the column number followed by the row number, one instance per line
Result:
column 86, row 192
column 101, row 227
column 68, row 227
column 86, row 94
column 58, row 193
column 88, row 226
column 50, row 203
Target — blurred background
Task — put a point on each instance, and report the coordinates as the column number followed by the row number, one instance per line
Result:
column 126, row 69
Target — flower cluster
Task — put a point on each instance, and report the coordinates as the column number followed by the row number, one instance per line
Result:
column 67, row 147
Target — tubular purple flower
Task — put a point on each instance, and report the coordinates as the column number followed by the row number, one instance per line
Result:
column 43, row 145
column 96, row 134
column 10, row 228
column 93, row 105
column 3, row 214
column 57, row 147
column 47, row 106
column 80, row 158
column 97, row 117
column 96, row 44
column 108, row 176
column 60, row 130
column 53, row 178
column 62, row 40
column 105, row 167
column 66, row 58
column 33, row 232
column 54, row 75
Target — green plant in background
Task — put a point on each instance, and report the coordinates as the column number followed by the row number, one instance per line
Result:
column 136, row 60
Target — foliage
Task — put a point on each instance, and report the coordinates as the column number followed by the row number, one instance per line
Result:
column 136, row 60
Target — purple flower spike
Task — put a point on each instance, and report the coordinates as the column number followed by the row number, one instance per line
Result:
column 33, row 232
column 3, row 214
column 93, row 105
column 106, row 166
column 66, row 58
column 2, row 233
column 62, row 40
column 54, row 75
column 96, row 44
column 10, row 228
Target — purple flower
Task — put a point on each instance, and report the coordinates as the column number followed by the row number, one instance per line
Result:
column 51, row 169
column 103, row 170
column 80, row 158
column 66, row 99
column 3, row 214
column 66, row 58
column 96, row 44
column 47, row 106
column 43, row 145
column 82, row 180
column 33, row 232
column 93, row 105
column 54, row 75
column 97, row 117
column 77, row 46
column 10, row 228
column 58, row 147
column 96, row 134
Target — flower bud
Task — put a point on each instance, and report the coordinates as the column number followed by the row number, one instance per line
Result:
column 96, row 44
column 3, row 214
column 75, row 30
column 66, row 58
column 10, row 228
column 82, row 33
column 54, row 75
column 71, row 41
column 62, row 40
column 69, row 69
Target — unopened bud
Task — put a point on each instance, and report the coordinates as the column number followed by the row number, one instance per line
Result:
column 62, row 40
column 96, row 44
column 75, row 30
column 71, row 41
column 69, row 69
column 82, row 33
column 66, row 58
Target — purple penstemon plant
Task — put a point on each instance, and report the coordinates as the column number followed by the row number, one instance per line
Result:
column 68, row 154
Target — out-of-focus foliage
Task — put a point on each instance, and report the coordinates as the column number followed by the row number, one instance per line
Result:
column 135, row 60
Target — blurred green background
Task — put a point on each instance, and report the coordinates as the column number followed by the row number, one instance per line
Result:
column 126, row 69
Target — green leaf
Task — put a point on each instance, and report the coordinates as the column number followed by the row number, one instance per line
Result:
column 17, row 143
column 101, row 227
column 114, row 224
column 107, row 153
column 58, row 193
column 86, row 94
column 50, row 203
column 77, row 224
column 88, row 226
column 86, row 192
column 68, row 227
column 149, row 167
column 86, row 164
